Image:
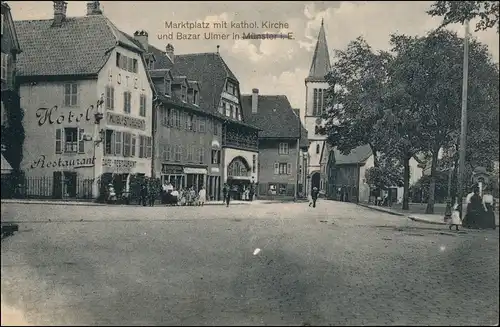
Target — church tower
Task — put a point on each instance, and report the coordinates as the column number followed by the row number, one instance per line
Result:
column 316, row 87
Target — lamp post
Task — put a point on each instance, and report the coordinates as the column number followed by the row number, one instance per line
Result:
column 463, row 126
column 98, row 116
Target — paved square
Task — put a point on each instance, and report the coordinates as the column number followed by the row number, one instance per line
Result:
column 337, row 264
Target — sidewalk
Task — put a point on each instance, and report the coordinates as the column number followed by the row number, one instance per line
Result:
column 435, row 219
column 89, row 203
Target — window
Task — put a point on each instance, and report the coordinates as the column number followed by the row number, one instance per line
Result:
column 201, row 121
column 189, row 156
column 167, row 85
column 178, row 119
column 5, row 60
column 238, row 113
column 135, row 66
column 319, row 101
column 127, row 140
column 142, row 108
column 254, row 162
column 283, row 148
column 133, row 145
column 178, row 151
column 231, row 111
column 183, row 93
column 169, row 155
column 189, row 122
column 195, row 123
column 317, row 148
column 201, row 154
column 127, row 97
column 216, row 127
column 118, row 60
column 276, row 168
column 285, row 169
column 109, row 145
column 172, row 116
column 166, row 117
column 110, row 98
column 58, row 140
column 149, row 147
column 195, row 97
column 118, row 143
column 70, row 94
column 221, row 107
column 1, row 22
column 228, row 110
column 70, row 140
column 142, row 146
column 215, row 157
column 126, row 63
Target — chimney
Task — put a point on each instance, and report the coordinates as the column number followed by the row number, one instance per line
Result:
column 59, row 12
column 170, row 52
column 93, row 8
column 255, row 100
column 142, row 38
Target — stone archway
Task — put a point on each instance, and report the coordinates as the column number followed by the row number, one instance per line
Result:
column 315, row 180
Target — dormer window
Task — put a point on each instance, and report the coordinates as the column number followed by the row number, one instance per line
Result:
column 183, row 93
column 167, row 86
column 195, row 97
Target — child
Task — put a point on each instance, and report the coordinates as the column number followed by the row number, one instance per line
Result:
column 455, row 217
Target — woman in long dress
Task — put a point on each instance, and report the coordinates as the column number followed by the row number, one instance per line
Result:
column 202, row 196
column 475, row 210
column 489, row 206
column 455, row 217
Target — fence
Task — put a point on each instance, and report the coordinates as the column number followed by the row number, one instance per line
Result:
column 47, row 188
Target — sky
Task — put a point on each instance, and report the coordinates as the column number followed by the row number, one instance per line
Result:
column 275, row 67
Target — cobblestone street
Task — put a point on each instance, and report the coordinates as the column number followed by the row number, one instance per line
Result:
column 337, row 264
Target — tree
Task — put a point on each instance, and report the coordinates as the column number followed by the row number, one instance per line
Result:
column 461, row 11
column 12, row 133
column 388, row 173
column 355, row 97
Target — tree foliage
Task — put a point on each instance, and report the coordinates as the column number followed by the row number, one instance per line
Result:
column 355, row 97
column 460, row 11
column 386, row 174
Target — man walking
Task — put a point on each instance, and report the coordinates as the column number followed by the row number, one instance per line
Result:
column 224, row 193
column 314, row 196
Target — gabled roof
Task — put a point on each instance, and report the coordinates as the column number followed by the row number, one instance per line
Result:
column 9, row 23
column 320, row 65
column 81, row 46
column 180, row 80
column 156, row 73
column 194, row 85
column 358, row 155
column 275, row 116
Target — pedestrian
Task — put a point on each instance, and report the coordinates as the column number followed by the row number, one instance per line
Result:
column 228, row 196
column 202, row 196
column 252, row 191
column 192, row 196
column 489, row 205
column 144, row 193
column 153, row 192
column 224, row 193
column 455, row 217
column 475, row 210
column 310, row 199
column 314, row 196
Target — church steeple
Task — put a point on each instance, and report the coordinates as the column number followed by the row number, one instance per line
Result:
column 321, row 59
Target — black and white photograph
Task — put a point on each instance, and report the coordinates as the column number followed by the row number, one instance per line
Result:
column 250, row 163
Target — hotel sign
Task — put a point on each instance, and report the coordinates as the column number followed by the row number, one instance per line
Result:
column 125, row 121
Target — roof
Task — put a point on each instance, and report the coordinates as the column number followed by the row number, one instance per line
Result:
column 71, row 49
column 320, row 65
column 5, row 166
column 357, row 156
column 275, row 116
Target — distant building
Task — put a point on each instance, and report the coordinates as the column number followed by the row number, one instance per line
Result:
column 281, row 140
column 10, row 98
column 316, row 87
column 72, row 69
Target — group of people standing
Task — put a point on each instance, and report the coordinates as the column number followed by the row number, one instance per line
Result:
column 234, row 192
column 480, row 210
column 189, row 196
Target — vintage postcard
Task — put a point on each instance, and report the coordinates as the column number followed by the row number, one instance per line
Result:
column 298, row 163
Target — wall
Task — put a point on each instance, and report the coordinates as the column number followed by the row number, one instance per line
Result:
column 137, row 84
column 44, row 113
column 364, row 188
column 228, row 154
column 314, row 158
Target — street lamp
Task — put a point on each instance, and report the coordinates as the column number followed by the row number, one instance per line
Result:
column 98, row 116
column 463, row 127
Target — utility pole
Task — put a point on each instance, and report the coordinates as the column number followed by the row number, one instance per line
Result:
column 463, row 128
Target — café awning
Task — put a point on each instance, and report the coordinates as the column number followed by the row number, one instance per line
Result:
column 198, row 171
column 6, row 167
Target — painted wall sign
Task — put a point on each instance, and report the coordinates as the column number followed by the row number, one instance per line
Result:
column 51, row 116
column 41, row 162
column 171, row 169
column 126, row 121
column 117, row 163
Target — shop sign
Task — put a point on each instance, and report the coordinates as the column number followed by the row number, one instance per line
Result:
column 51, row 116
column 118, row 163
column 171, row 169
column 125, row 121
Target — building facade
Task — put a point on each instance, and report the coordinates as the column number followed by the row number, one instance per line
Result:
column 201, row 135
column 281, row 140
column 316, row 87
column 86, row 120
column 10, row 107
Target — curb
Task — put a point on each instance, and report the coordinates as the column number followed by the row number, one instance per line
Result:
column 425, row 221
column 381, row 210
column 94, row 204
